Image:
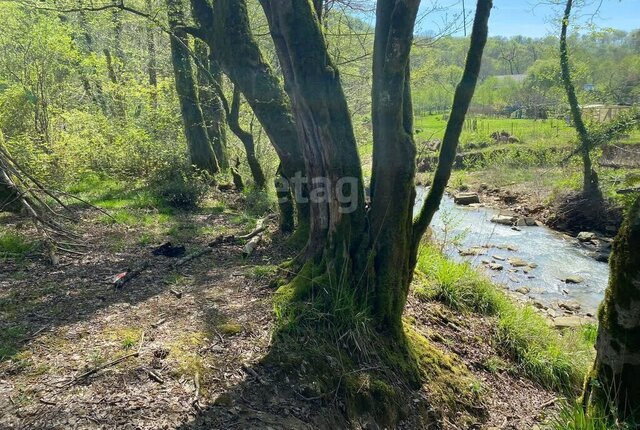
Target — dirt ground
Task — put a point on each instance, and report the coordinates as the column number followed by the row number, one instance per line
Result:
column 189, row 341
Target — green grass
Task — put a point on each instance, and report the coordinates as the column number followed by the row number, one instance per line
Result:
column 10, row 340
column 556, row 360
column 14, row 245
column 551, row 131
column 572, row 416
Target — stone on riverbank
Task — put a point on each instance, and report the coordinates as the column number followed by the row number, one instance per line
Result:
column 466, row 198
column 571, row 322
column 586, row 237
column 503, row 219
column 517, row 262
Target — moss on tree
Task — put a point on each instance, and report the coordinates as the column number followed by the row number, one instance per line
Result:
column 613, row 383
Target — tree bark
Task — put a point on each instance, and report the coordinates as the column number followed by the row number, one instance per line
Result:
column 9, row 199
column 323, row 126
column 247, row 140
column 209, row 78
column 232, row 44
column 372, row 252
column 152, row 61
column 200, row 151
column 590, row 186
column 613, row 384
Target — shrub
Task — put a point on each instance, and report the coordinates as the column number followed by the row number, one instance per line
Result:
column 14, row 245
column 181, row 187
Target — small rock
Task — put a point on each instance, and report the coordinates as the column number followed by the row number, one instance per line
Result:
column 503, row 219
column 466, row 198
column 570, row 321
column 472, row 251
column 586, row 237
column 539, row 305
column 531, row 222
column 570, row 306
column 499, row 258
column 514, row 228
column 517, row 262
column 495, row 266
column 533, row 265
column 600, row 256
column 523, row 290
column 521, row 222
column 574, row 279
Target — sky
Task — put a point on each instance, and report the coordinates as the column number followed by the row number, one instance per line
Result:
column 523, row 17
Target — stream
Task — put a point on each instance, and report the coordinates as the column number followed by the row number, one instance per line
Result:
column 556, row 256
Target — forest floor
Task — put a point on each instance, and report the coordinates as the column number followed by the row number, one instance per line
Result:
column 192, row 341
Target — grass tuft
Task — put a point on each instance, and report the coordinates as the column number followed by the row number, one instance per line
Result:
column 572, row 416
column 556, row 360
column 14, row 245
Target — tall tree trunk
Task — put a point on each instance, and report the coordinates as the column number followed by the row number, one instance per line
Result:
column 590, row 186
column 9, row 199
column 152, row 61
column 247, row 140
column 209, row 78
column 372, row 252
column 119, row 105
column 87, row 47
column 614, row 382
column 200, row 151
column 324, row 127
column 228, row 34
column 116, row 19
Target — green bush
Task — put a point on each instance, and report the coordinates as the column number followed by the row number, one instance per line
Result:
column 181, row 187
column 14, row 245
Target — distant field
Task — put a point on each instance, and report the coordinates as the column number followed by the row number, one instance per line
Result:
column 551, row 131
column 478, row 130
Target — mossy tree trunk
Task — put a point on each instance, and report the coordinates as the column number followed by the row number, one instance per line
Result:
column 200, row 151
column 324, row 127
column 615, row 381
column 9, row 198
column 152, row 60
column 209, row 78
column 372, row 251
column 225, row 27
column 9, row 201
column 590, row 185
column 247, row 140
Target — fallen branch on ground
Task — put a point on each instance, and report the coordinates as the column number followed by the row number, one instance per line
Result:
column 106, row 365
column 260, row 227
column 192, row 256
column 131, row 274
column 250, row 246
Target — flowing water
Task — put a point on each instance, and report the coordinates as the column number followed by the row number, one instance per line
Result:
column 555, row 256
